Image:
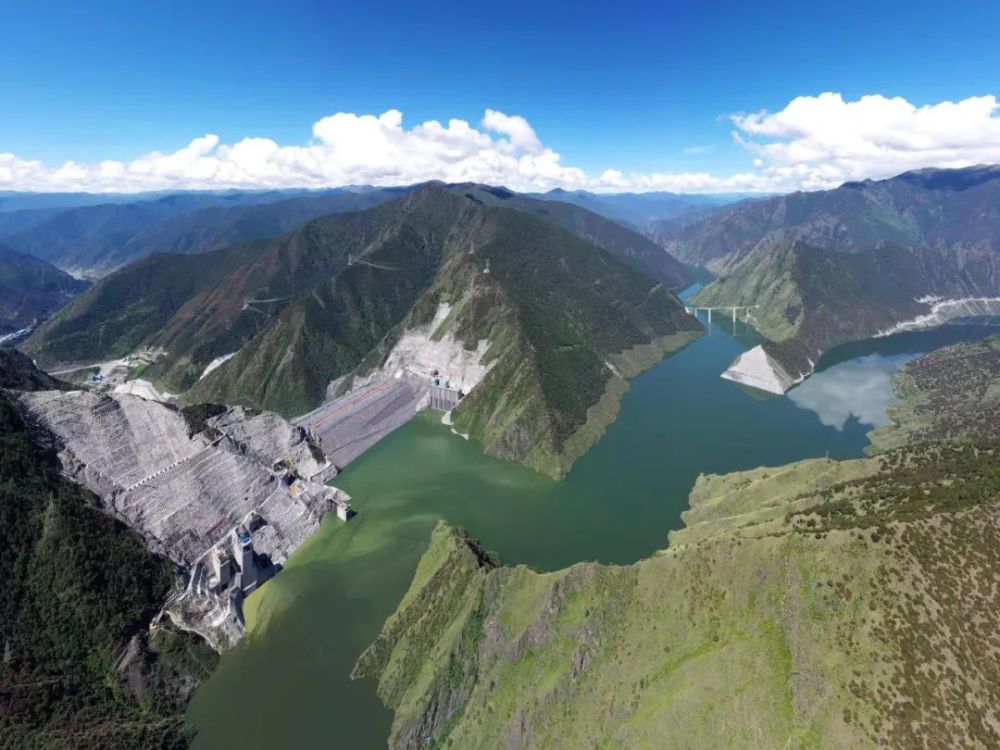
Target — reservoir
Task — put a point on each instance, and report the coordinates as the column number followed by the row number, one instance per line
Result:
column 287, row 684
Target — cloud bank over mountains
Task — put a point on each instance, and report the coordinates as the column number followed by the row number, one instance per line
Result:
column 815, row 142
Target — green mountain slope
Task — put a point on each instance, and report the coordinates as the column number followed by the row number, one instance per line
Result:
column 810, row 299
column 570, row 325
column 622, row 242
column 130, row 306
column 348, row 312
column 556, row 307
column 77, row 593
column 568, row 321
column 844, row 264
column 822, row 604
column 31, row 289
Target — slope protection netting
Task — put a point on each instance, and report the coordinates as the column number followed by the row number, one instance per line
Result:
column 177, row 489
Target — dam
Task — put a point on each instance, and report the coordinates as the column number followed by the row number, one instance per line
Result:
column 347, row 426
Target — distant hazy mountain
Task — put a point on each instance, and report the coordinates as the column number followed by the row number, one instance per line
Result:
column 92, row 240
column 31, row 289
column 557, row 307
column 954, row 208
column 11, row 200
column 640, row 209
column 838, row 265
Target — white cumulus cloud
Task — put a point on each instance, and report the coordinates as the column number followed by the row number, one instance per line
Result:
column 814, row 142
column 819, row 141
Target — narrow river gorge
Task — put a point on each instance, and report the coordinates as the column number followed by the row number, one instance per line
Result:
column 287, row 684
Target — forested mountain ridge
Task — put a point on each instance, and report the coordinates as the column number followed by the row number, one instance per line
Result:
column 955, row 209
column 810, row 299
column 96, row 237
column 554, row 307
column 619, row 240
column 31, row 289
column 868, row 620
column 298, row 313
column 833, row 266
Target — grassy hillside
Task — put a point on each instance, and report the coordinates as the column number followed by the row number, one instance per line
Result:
column 823, row 604
column 31, row 289
column 950, row 395
column 77, row 593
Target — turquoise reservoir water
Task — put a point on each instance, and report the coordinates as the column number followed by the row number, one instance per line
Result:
column 287, row 685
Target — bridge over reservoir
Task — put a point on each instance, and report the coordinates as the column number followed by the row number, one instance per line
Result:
column 694, row 310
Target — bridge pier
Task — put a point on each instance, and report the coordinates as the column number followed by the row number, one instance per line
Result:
column 735, row 309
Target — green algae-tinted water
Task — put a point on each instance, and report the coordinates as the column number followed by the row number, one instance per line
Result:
column 287, row 685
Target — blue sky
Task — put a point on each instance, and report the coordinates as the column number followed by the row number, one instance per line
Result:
column 638, row 87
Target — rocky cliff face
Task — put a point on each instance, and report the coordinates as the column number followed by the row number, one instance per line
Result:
column 837, row 603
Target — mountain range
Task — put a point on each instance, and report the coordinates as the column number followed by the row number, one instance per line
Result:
column 642, row 210
column 838, row 265
column 31, row 289
column 91, row 235
column 91, row 240
column 567, row 314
